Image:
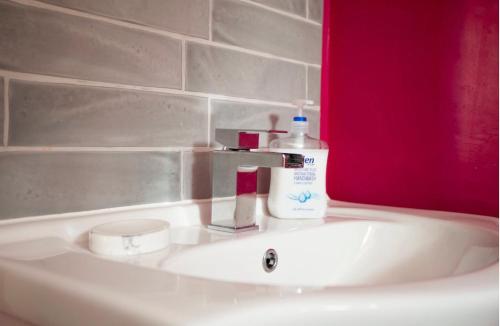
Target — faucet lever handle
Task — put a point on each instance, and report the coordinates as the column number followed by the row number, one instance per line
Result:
column 242, row 138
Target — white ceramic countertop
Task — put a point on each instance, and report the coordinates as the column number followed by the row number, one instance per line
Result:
column 50, row 277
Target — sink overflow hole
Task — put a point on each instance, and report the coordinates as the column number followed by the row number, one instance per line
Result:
column 270, row 260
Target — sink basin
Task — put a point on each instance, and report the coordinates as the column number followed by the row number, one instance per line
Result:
column 362, row 265
column 346, row 253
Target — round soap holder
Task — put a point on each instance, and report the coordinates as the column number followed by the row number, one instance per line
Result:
column 129, row 237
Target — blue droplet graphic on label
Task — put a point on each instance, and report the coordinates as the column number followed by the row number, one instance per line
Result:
column 303, row 197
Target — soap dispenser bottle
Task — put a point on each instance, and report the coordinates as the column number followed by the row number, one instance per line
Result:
column 299, row 193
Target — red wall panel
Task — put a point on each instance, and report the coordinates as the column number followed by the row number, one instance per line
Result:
column 410, row 103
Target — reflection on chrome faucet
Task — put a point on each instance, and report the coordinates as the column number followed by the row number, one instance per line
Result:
column 234, row 174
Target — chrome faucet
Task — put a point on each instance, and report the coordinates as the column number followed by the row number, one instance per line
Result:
column 234, row 174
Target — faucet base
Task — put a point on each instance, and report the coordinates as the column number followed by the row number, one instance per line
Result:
column 232, row 229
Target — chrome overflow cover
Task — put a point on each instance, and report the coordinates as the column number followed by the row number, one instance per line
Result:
column 270, row 260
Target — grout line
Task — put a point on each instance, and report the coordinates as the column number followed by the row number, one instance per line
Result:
column 181, row 176
column 183, row 65
column 177, row 36
column 307, row 9
column 81, row 82
column 209, row 131
column 283, row 13
column 210, row 19
column 101, row 149
column 6, row 112
column 307, row 82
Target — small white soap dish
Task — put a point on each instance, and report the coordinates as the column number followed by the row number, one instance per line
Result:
column 129, row 237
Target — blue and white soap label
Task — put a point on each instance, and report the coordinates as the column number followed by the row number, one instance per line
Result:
column 300, row 193
column 306, row 175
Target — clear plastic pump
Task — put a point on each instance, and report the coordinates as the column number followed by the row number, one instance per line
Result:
column 299, row 129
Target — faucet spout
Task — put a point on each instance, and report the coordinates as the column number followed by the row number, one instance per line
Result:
column 234, row 158
column 293, row 161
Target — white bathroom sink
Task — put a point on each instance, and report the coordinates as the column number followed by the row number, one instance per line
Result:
column 363, row 265
column 346, row 253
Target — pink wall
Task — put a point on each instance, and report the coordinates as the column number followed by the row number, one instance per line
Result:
column 410, row 103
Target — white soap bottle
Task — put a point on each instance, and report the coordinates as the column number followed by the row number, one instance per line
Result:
column 299, row 193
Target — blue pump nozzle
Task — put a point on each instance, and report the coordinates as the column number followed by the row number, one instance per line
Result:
column 300, row 109
column 299, row 123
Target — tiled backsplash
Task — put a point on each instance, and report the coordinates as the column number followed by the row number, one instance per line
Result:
column 112, row 103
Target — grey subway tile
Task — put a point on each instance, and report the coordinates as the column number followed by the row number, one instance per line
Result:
column 263, row 180
column 40, row 41
column 252, row 27
column 314, row 84
column 215, row 70
column 197, row 167
column 229, row 114
column 179, row 16
column 297, row 7
column 57, row 182
column 197, row 182
column 316, row 10
column 1, row 110
column 69, row 115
